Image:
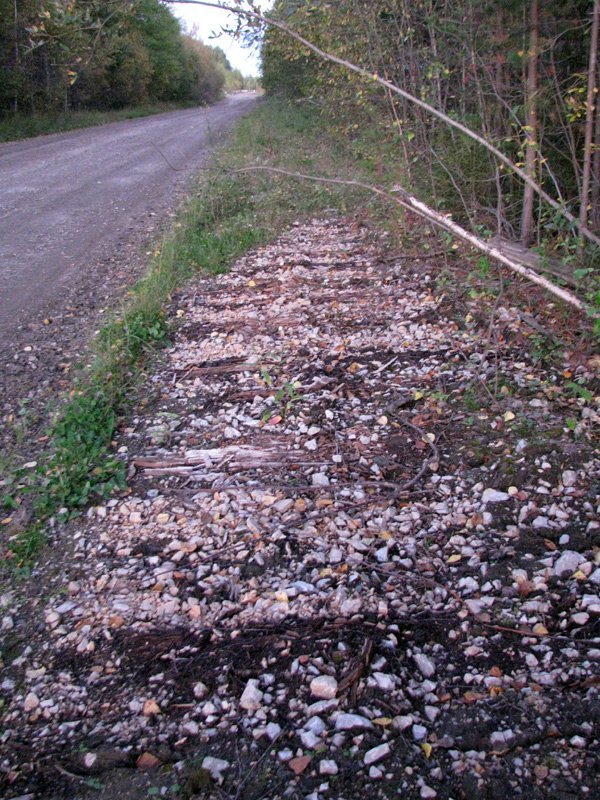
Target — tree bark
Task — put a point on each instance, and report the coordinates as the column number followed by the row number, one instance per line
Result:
column 531, row 147
column 595, row 214
column 589, row 119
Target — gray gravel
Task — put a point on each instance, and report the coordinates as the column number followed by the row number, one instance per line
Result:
column 344, row 569
column 71, row 201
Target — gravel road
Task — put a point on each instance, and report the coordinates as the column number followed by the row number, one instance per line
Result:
column 72, row 204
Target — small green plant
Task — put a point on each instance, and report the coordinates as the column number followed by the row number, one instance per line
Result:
column 82, row 465
column 284, row 398
column 579, row 391
column 471, row 401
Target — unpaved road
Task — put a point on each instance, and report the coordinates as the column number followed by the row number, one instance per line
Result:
column 71, row 203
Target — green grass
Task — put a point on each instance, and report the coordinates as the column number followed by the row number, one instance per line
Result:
column 230, row 212
column 23, row 126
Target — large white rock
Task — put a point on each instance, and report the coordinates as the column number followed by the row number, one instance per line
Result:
column 569, row 478
column 425, row 665
column 216, row 767
column 324, row 687
column 251, row 698
column 328, row 767
column 494, row 496
column 348, row 722
column 377, row 753
column 568, row 562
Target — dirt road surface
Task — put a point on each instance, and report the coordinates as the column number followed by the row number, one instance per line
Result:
column 77, row 211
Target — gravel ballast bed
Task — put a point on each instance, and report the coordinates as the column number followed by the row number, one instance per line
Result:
column 359, row 556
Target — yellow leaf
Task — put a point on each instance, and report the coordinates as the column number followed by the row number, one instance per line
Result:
column 354, row 367
column 252, row 283
column 508, row 416
column 282, row 597
column 384, row 722
column 427, row 748
column 385, row 535
column 580, row 576
column 540, row 630
column 455, row 558
column 419, row 395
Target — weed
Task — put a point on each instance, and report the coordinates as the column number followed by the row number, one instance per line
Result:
column 81, row 466
column 543, row 349
column 284, row 398
column 24, row 126
column 578, row 390
column 471, row 401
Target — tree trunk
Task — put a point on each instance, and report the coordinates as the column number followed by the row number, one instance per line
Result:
column 589, row 118
column 531, row 129
column 595, row 213
column 17, row 55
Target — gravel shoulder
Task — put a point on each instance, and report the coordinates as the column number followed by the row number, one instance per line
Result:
column 345, row 567
column 78, row 213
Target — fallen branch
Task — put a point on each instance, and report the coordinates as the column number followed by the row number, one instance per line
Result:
column 234, row 455
column 402, row 198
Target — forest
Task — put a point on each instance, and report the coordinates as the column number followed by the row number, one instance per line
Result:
column 521, row 74
column 103, row 54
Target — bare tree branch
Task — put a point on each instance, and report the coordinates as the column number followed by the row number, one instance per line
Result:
column 252, row 14
column 403, row 198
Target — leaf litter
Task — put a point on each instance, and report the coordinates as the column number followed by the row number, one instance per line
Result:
column 359, row 555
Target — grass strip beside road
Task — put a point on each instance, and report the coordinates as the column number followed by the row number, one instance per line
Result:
column 229, row 213
column 15, row 127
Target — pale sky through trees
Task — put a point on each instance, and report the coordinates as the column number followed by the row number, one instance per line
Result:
column 209, row 21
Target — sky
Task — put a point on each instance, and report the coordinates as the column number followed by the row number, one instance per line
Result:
column 208, row 21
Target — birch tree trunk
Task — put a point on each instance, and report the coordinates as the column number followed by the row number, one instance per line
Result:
column 589, row 118
column 531, row 147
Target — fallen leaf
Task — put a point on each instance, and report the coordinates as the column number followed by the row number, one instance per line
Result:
column 298, row 765
column 473, row 697
column 427, row 748
column 383, row 722
column 455, row 558
column 147, row 762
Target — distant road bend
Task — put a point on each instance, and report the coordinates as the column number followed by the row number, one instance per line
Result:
column 71, row 203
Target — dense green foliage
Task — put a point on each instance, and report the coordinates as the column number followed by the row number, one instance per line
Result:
column 489, row 64
column 102, row 54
